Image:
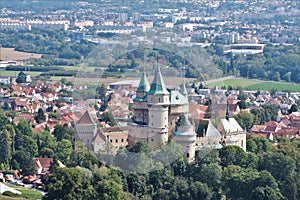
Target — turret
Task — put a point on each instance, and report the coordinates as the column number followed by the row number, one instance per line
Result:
column 140, row 102
column 158, row 92
column 143, row 87
column 186, row 136
column 183, row 89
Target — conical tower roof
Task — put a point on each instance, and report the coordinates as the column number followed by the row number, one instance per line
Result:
column 86, row 119
column 182, row 89
column 184, row 121
column 144, row 85
column 185, row 125
column 158, row 85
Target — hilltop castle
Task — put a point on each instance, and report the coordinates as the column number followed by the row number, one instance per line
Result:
column 157, row 111
column 161, row 114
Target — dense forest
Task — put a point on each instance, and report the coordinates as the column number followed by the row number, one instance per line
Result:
column 265, row 171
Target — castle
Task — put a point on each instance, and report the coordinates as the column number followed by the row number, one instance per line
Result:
column 161, row 114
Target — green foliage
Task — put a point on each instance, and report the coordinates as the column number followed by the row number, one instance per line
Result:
column 65, row 183
column 5, row 147
column 54, row 115
column 21, row 77
column 245, row 119
column 40, row 116
column 108, row 117
column 244, row 184
column 63, row 132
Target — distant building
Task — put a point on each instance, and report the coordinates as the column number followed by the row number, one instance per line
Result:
column 77, row 36
column 246, row 49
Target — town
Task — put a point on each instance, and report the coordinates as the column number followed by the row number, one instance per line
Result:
column 149, row 99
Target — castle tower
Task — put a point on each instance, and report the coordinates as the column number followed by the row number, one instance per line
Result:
column 183, row 89
column 140, row 102
column 186, row 137
column 158, row 109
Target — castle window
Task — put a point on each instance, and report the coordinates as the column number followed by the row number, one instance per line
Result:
column 242, row 143
column 110, row 141
column 151, row 139
column 122, row 140
column 158, row 99
column 187, row 155
column 116, row 140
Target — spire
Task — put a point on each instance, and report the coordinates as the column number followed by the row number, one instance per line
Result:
column 185, row 124
column 144, row 85
column 158, row 85
column 182, row 89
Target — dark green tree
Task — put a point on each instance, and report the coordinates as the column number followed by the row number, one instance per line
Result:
column 40, row 116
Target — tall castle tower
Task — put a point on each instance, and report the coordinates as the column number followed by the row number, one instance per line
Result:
column 158, row 109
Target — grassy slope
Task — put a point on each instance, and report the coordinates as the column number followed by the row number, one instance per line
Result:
column 249, row 84
column 26, row 194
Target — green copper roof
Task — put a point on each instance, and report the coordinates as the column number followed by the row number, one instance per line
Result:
column 158, row 85
column 144, row 85
column 183, row 89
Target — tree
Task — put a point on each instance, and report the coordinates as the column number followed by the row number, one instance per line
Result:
column 46, row 153
column 243, row 184
column 63, row 132
column 109, row 190
column 64, row 183
column 242, row 104
column 266, row 193
column 40, row 116
column 21, row 77
column 101, row 92
column 245, row 119
column 109, row 118
column 232, row 155
column 294, row 108
column 200, row 190
column 283, row 169
column 136, row 184
column 64, row 151
column 140, row 147
column 5, row 147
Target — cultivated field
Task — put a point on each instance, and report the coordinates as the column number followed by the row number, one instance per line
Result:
column 9, row 54
column 253, row 84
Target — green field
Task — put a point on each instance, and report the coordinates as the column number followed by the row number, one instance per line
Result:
column 249, row 84
column 15, row 73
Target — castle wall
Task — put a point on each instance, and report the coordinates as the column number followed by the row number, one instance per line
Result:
column 153, row 136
